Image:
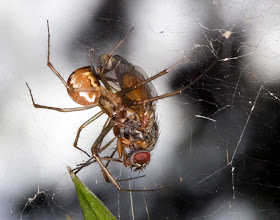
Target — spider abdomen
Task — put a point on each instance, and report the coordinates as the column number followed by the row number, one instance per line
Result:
column 84, row 78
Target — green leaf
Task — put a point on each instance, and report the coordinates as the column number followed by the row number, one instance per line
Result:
column 92, row 207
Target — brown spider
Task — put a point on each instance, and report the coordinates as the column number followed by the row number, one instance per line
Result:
column 127, row 97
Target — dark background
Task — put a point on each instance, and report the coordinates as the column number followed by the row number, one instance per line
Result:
column 219, row 141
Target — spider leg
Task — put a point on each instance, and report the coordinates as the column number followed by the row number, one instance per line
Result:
column 176, row 91
column 107, row 164
column 104, row 132
column 109, row 159
column 109, row 124
column 49, row 63
column 91, row 161
column 104, row 126
column 111, row 156
column 59, row 109
column 107, row 145
column 97, row 143
column 109, row 175
column 83, row 165
column 90, row 59
column 82, row 127
column 108, row 57
column 95, row 148
column 131, row 88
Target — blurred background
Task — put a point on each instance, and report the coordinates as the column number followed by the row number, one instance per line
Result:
column 219, row 140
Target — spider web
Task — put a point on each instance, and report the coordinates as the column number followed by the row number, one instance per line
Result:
column 218, row 146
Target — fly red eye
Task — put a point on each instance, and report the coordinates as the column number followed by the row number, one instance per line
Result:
column 142, row 157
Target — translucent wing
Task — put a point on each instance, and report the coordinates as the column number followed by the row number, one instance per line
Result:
column 121, row 74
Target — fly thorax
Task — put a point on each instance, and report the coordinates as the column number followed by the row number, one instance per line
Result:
column 141, row 134
column 110, row 104
column 131, row 129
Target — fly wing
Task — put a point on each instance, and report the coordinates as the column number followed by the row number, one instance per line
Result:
column 121, row 74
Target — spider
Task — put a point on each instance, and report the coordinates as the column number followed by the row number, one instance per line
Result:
column 127, row 97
